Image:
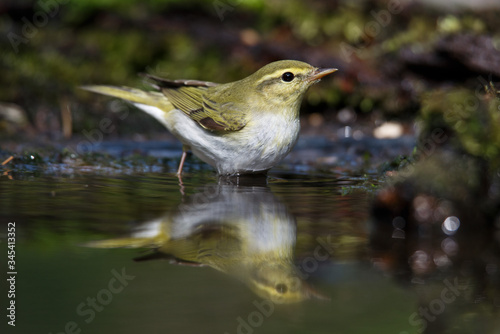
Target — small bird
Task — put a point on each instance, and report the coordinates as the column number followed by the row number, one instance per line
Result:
column 245, row 232
column 241, row 127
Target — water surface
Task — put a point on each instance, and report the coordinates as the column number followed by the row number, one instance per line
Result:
column 295, row 253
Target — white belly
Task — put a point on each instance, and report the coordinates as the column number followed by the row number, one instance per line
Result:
column 259, row 146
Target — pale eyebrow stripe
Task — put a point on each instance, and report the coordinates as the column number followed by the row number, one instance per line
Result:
column 278, row 73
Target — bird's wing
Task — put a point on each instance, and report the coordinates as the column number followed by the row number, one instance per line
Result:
column 193, row 98
column 159, row 82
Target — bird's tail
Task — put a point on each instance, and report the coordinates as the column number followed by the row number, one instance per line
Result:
column 137, row 96
column 152, row 234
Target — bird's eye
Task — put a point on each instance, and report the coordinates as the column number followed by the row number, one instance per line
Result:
column 287, row 76
column 281, row 288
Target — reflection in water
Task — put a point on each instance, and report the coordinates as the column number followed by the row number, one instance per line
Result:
column 244, row 231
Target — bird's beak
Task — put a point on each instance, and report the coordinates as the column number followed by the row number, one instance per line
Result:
column 321, row 72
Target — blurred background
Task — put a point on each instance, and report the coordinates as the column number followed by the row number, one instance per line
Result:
column 389, row 55
column 398, row 160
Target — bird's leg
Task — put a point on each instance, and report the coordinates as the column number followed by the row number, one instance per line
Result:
column 181, row 165
column 185, row 149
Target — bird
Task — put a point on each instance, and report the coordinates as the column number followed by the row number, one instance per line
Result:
column 245, row 232
column 242, row 127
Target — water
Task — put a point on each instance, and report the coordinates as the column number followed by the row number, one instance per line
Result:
column 296, row 253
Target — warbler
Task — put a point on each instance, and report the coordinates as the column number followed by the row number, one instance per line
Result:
column 243, row 231
column 246, row 126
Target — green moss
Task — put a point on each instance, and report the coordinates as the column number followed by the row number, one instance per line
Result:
column 471, row 117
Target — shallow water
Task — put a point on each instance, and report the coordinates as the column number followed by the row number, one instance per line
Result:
column 293, row 253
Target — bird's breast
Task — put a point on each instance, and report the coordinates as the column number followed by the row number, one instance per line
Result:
column 262, row 143
column 268, row 138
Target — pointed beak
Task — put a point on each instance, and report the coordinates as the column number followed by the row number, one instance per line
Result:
column 321, row 72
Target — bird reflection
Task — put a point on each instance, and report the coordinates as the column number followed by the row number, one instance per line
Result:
column 244, row 231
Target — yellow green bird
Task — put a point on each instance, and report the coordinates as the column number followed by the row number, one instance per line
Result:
column 246, row 126
column 245, row 232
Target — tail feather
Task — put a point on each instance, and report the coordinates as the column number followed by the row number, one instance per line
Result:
column 124, row 243
column 155, row 99
column 151, row 234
